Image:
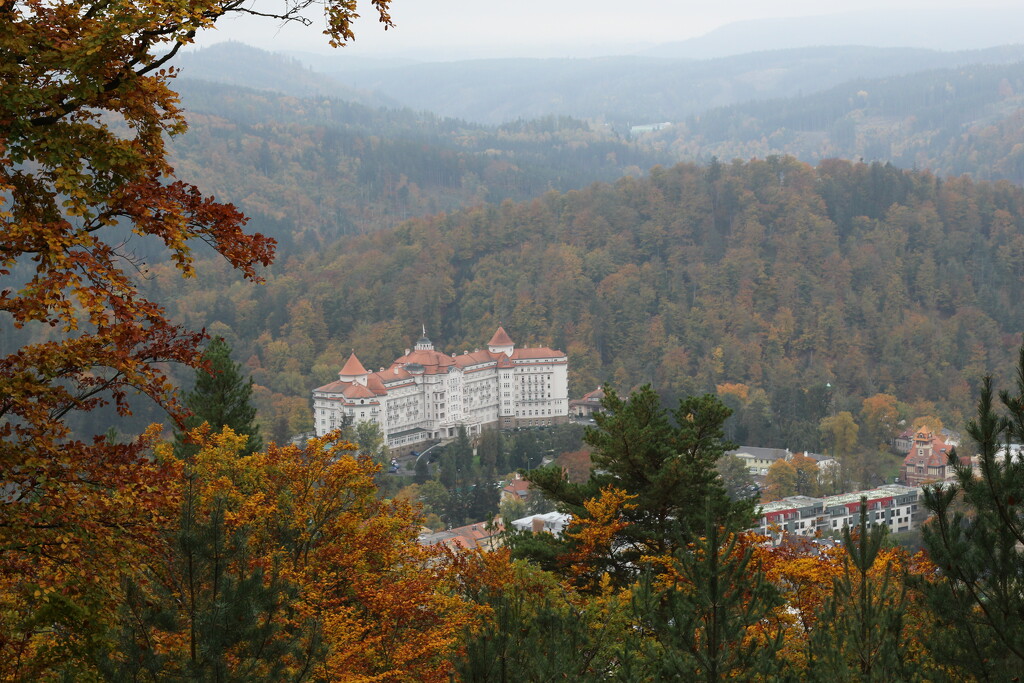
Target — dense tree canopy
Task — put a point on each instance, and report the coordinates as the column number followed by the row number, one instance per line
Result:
column 84, row 110
column 813, row 288
column 665, row 461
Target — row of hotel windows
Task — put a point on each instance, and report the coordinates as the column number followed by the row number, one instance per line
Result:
column 810, row 523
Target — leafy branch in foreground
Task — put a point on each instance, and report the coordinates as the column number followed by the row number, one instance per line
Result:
column 85, row 108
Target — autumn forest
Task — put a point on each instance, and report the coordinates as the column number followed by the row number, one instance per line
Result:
column 182, row 260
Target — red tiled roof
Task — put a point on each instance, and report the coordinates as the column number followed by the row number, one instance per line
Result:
column 433, row 362
column 475, row 358
column 375, row 384
column 517, row 487
column 335, row 387
column 935, row 454
column 355, row 390
column 473, row 536
column 353, row 368
column 501, row 338
column 531, row 354
column 396, row 371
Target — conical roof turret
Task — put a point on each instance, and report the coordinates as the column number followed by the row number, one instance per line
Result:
column 501, row 338
column 353, row 369
column 501, row 342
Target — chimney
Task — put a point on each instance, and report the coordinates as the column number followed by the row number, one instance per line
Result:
column 538, row 525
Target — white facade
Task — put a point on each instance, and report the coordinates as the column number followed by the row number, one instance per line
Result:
column 426, row 394
column 552, row 522
column 894, row 505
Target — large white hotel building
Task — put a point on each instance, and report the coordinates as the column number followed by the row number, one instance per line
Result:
column 427, row 394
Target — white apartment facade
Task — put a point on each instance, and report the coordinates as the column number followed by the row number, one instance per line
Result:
column 894, row 505
column 426, row 394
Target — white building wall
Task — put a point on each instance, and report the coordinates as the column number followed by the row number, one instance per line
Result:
column 535, row 390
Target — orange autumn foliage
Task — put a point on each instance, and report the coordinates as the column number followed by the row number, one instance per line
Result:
column 737, row 389
column 594, row 536
column 86, row 109
column 380, row 603
column 67, row 546
column 806, row 573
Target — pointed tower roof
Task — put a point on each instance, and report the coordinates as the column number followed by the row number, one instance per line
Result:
column 501, row 338
column 353, row 368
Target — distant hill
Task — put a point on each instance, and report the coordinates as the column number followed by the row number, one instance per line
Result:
column 952, row 121
column 239, row 64
column 310, row 169
column 642, row 89
column 936, row 28
column 623, row 91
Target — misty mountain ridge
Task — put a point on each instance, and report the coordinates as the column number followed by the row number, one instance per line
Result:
column 358, row 167
column 952, row 121
column 240, row 64
column 623, row 91
column 945, row 29
column 641, row 89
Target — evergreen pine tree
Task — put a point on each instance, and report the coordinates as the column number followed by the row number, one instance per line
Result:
column 482, row 503
column 860, row 634
column 456, row 480
column 698, row 626
column 490, row 451
column 422, row 471
column 280, row 431
column 462, row 451
column 450, row 475
column 534, row 632
column 232, row 615
column 526, row 453
column 221, row 398
column 231, row 618
column 668, row 460
column 976, row 540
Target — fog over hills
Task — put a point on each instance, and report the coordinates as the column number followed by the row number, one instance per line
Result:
column 622, row 91
column 636, row 90
column 235, row 63
column 456, row 30
column 936, row 29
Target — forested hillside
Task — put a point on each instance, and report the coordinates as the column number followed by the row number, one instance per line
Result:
column 307, row 170
column 813, row 287
column 951, row 121
column 795, row 294
column 241, row 65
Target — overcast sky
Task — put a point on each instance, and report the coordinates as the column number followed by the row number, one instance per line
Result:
column 550, row 27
